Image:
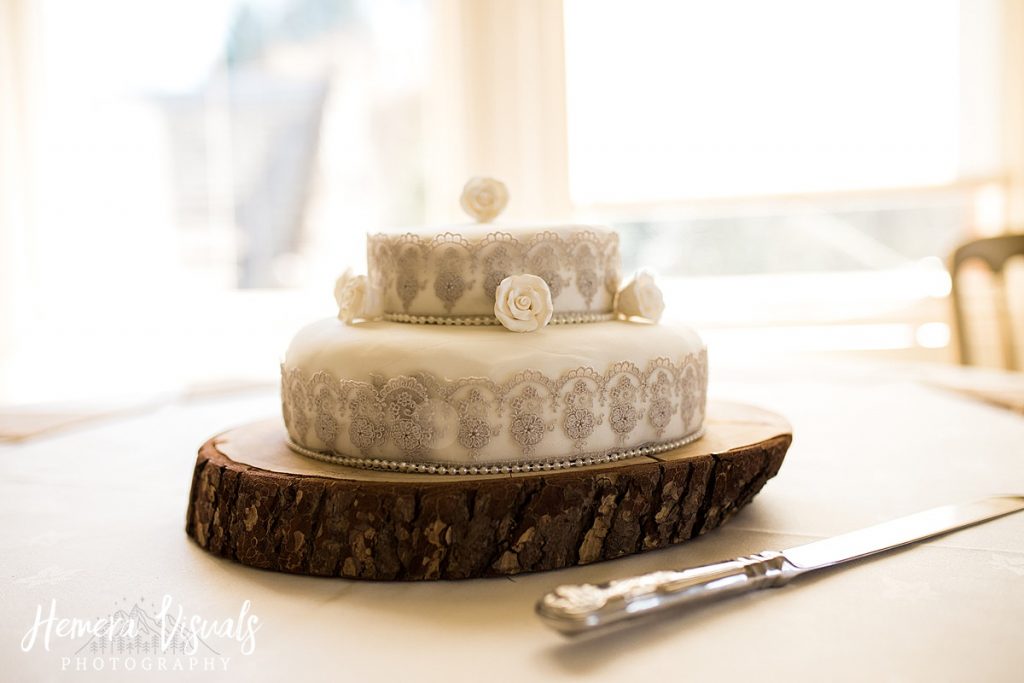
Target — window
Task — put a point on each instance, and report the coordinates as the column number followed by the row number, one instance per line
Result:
column 792, row 162
column 690, row 100
column 188, row 178
column 196, row 175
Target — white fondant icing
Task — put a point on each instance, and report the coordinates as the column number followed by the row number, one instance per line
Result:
column 389, row 349
column 410, row 393
column 454, row 271
column 459, row 393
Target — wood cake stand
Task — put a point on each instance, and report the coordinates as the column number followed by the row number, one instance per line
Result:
column 256, row 502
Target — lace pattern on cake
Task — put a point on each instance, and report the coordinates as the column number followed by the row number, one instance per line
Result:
column 405, row 265
column 414, row 415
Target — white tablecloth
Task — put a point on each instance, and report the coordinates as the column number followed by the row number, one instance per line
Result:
column 93, row 521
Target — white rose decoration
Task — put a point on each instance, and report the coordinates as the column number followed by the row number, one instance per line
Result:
column 373, row 302
column 641, row 298
column 523, row 303
column 350, row 291
column 484, row 198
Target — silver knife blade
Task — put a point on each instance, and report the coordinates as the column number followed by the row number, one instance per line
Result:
column 901, row 531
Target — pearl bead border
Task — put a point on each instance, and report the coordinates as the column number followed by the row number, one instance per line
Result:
column 479, row 320
column 449, row 468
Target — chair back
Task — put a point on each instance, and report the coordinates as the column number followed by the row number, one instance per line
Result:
column 994, row 252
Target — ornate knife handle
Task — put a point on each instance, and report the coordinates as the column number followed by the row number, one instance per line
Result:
column 574, row 609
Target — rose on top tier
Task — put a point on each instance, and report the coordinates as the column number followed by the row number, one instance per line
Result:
column 484, row 198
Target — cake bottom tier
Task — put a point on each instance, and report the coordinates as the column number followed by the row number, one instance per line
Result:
column 460, row 400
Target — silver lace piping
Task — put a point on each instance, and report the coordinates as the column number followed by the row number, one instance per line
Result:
column 494, row 468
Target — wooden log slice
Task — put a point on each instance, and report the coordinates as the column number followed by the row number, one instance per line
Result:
column 256, row 502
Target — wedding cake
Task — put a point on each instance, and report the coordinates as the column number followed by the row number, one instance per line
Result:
column 482, row 349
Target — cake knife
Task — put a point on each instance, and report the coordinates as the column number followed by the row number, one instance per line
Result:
column 576, row 609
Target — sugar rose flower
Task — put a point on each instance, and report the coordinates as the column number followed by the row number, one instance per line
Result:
column 350, row 291
column 484, row 198
column 641, row 298
column 373, row 301
column 523, row 303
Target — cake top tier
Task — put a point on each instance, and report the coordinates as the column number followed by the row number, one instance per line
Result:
column 452, row 273
column 522, row 277
column 455, row 272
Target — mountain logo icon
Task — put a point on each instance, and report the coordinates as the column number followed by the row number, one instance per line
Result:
column 137, row 632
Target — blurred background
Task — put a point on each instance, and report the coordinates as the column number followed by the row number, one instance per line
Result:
column 181, row 182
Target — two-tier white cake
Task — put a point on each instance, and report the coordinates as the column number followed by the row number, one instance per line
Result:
column 486, row 349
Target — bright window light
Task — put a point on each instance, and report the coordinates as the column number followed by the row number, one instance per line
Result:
column 694, row 99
